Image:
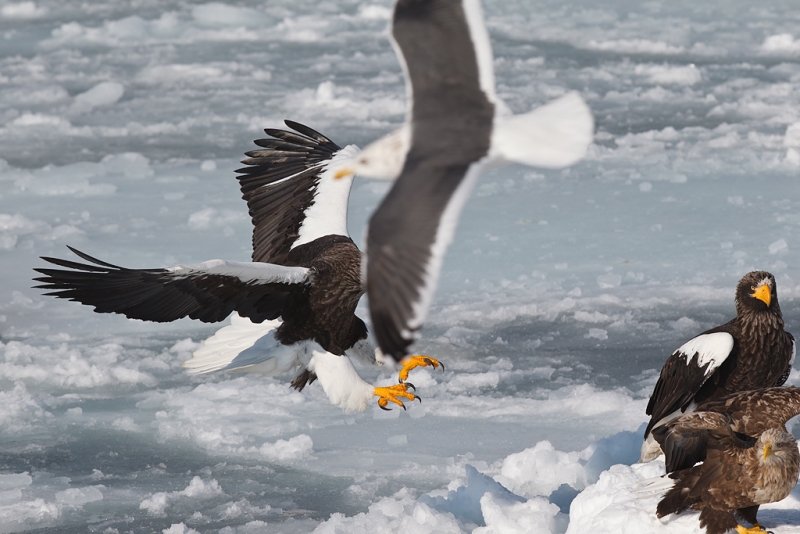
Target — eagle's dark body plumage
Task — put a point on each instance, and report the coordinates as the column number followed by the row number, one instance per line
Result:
column 749, row 352
column 325, row 310
column 735, row 475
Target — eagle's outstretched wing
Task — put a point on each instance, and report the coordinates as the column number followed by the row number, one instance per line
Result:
column 207, row 291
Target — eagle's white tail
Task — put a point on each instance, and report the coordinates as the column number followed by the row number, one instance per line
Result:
column 243, row 346
column 555, row 135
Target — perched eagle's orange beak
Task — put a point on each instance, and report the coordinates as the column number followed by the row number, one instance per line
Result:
column 763, row 293
column 767, row 450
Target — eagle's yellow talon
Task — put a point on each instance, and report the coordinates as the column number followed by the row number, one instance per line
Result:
column 756, row 529
column 420, row 360
column 391, row 394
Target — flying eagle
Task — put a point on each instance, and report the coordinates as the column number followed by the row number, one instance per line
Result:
column 750, row 352
column 747, row 457
column 305, row 270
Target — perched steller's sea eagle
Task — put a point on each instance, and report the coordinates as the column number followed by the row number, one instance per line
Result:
column 747, row 458
column 750, row 352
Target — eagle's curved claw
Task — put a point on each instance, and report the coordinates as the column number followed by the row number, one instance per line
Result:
column 410, row 385
column 420, row 360
column 394, row 394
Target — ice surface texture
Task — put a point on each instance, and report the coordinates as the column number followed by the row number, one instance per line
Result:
column 561, row 297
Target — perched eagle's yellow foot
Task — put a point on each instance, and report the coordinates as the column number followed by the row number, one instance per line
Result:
column 756, row 529
column 390, row 393
column 419, row 360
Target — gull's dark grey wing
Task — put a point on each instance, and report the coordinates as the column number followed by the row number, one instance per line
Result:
column 445, row 49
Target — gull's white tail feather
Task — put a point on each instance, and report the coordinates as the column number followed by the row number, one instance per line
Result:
column 245, row 346
column 555, row 135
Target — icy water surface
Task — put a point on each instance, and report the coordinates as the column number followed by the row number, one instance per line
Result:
column 120, row 126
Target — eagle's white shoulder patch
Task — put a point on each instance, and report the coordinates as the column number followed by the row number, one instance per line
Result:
column 711, row 349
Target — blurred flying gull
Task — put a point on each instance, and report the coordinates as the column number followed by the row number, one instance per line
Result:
column 456, row 126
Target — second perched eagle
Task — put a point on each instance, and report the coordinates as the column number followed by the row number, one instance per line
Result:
column 729, row 457
column 750, row 352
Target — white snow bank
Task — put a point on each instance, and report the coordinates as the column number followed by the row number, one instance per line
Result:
column 179, row 528
column 665, row 74
column 567, row 404
column 534, row 516
column 71, row 366
column 542, row 470
column 636, row 46
column 216, row 14
column 22, row 10
column 102, row 94
column 465, row 501
column 613, row 505
column 398, row 514
column 219, row 417
column 296, row 448
column 529, row 493
column 212, row 217
column 198, row 489
column 38, row 501
column 12, row 227
column 22, row 413
column 782, row 43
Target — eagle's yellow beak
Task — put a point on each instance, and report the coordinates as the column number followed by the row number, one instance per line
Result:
column 767, row 450
column 763, row 293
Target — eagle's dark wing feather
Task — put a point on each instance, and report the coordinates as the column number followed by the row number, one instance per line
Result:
column 685, row 372
column 753, row 412
column 209, row 291
column 686, row 440
column 281, row 183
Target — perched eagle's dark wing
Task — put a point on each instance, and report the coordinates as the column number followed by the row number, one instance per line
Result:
column 685, row 440
column 291, row 193
column 448, row 65
column 207, row 291
column 686, row 371
column 753, row 412
column 785, row 376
